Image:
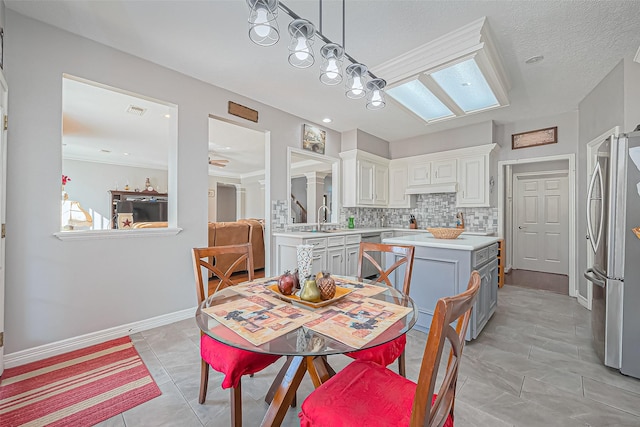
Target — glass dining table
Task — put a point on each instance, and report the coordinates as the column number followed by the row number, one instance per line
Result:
column 254, row 316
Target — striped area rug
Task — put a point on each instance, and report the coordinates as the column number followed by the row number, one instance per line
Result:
column 80, row 388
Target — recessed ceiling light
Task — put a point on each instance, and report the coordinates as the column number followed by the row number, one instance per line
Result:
column 168, row 116
column 105, row 151
column 227, row 148
column 534, row 59
column 327, row 120
column 126, row 154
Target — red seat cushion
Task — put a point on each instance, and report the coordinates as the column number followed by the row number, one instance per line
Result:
column 362, row 394
column 231, row 361
column 383, row 354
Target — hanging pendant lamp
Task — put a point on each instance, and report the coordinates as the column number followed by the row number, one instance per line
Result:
column 263, row 24
column 356, row 81
column 331, row 70
column 301, row 46
column 375, row 98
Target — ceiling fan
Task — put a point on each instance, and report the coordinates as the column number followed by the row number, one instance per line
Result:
column 218, row 162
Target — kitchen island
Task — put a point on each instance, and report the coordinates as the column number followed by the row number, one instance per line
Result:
column 442, row 267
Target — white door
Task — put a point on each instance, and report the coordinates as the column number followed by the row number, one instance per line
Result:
column 3, row 210
column 541, row 233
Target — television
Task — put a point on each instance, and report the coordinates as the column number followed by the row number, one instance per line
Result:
column 144, row 210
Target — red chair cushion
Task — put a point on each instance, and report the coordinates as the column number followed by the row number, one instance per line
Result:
column 362, row 394
column 383, row 354
column 231, row 361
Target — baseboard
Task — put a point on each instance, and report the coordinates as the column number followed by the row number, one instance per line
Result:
column 582, row 301
column 59, row 347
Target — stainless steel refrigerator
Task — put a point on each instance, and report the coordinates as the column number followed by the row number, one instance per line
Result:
column 613, row 211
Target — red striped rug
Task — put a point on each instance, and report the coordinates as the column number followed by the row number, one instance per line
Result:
column 80, row 388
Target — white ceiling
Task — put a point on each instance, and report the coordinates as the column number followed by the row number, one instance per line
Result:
column 580, row 40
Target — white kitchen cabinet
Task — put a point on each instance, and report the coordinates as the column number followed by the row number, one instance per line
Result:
column 352, row 252
column 443, row 171
column 398, row 198
column 336, row 260
column 365, row 179
column 420, row 172
column 473, row 181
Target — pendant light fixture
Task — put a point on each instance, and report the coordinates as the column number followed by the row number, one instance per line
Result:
column 301, row 46
column 375, row 97
column 331, row 71
column 263, row 30
column 356, row 80
column 263, row 23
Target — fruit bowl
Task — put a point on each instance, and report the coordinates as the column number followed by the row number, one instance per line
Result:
column 340, row 293
column 445, row 233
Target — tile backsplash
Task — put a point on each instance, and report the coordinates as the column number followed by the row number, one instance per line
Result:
column 432, row 210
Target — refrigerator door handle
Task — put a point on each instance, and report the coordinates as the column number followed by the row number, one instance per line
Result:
column 592, row 279
column 597, row 173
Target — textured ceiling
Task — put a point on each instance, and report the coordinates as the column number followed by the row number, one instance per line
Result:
column 580, row 40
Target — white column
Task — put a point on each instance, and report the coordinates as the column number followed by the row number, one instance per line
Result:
column 241, row 193
column 315, row 191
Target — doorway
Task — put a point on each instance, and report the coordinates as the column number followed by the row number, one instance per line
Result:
column 538, row 169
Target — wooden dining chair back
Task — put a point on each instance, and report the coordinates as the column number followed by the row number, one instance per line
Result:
column 203, row 258
column 230, row 361
column 427, row 410
column 386, row 353
column 367, row 394
column 404, row 257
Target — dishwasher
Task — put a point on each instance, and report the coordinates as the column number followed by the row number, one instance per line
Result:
column 368, row 270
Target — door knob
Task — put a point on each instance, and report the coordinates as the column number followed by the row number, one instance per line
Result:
column 521, row 228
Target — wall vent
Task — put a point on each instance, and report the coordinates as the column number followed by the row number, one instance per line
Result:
column 134, row 109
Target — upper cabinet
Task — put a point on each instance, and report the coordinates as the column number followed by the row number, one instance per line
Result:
column 444, row 171
column 365, row 179
column 398, row 175
column 472, row 182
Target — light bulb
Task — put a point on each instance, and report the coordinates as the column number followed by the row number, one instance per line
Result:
column 332, row 69
column 376, row 99
column 302, row 50
column 356, row 87
column 260, row 24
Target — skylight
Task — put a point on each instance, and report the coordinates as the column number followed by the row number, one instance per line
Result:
column 466, row 86
column 457, row 74
column 417, row 98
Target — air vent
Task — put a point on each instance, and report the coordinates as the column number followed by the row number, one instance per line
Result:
column 134, row 109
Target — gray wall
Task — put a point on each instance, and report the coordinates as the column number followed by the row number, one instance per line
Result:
column 83, row 286
column 366, row 142
column 557, row 165
column 462, row 137
column 631, row 94
column 254, row 199
column 601, row 110
column 226, row 203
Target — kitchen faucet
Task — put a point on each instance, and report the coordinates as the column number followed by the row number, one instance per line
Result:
column 326, row 208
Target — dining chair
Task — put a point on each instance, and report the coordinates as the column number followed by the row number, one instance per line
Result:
column 367, row 394
column 386, row 353
column 230, row 361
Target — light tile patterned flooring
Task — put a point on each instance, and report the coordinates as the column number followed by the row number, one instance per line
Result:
column 531, row 366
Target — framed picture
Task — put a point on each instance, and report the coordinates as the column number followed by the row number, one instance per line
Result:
column 534, row 138
column 313, row 139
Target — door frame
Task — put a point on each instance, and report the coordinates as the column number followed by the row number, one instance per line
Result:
column 592, row 149
column 4, row 103
column 564, row 173
column 505, row 175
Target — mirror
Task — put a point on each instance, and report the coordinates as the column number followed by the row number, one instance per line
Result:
column 115, row 152
column 313, row 180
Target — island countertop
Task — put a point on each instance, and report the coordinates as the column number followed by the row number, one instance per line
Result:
column 345, row 231
column 463, row 242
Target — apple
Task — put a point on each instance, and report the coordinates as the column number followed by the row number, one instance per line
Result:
column 286, row 283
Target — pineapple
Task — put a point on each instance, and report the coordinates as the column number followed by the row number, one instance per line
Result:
column 327, row 286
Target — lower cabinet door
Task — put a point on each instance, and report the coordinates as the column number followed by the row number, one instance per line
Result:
column 483, row 298
column 494, row 273
column 319, row 262
column 335, row 260
column 352, row 253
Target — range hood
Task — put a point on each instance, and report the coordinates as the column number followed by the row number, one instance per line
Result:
column 432, row 188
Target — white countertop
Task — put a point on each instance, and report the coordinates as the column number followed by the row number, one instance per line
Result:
column 346, row 231
column 463, row 242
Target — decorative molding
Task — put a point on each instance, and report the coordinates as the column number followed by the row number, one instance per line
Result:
column 59, row 347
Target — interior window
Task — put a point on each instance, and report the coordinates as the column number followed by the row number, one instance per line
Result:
column 115, row 151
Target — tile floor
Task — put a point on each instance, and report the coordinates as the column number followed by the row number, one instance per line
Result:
column 558, row 283
column 531, row 366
